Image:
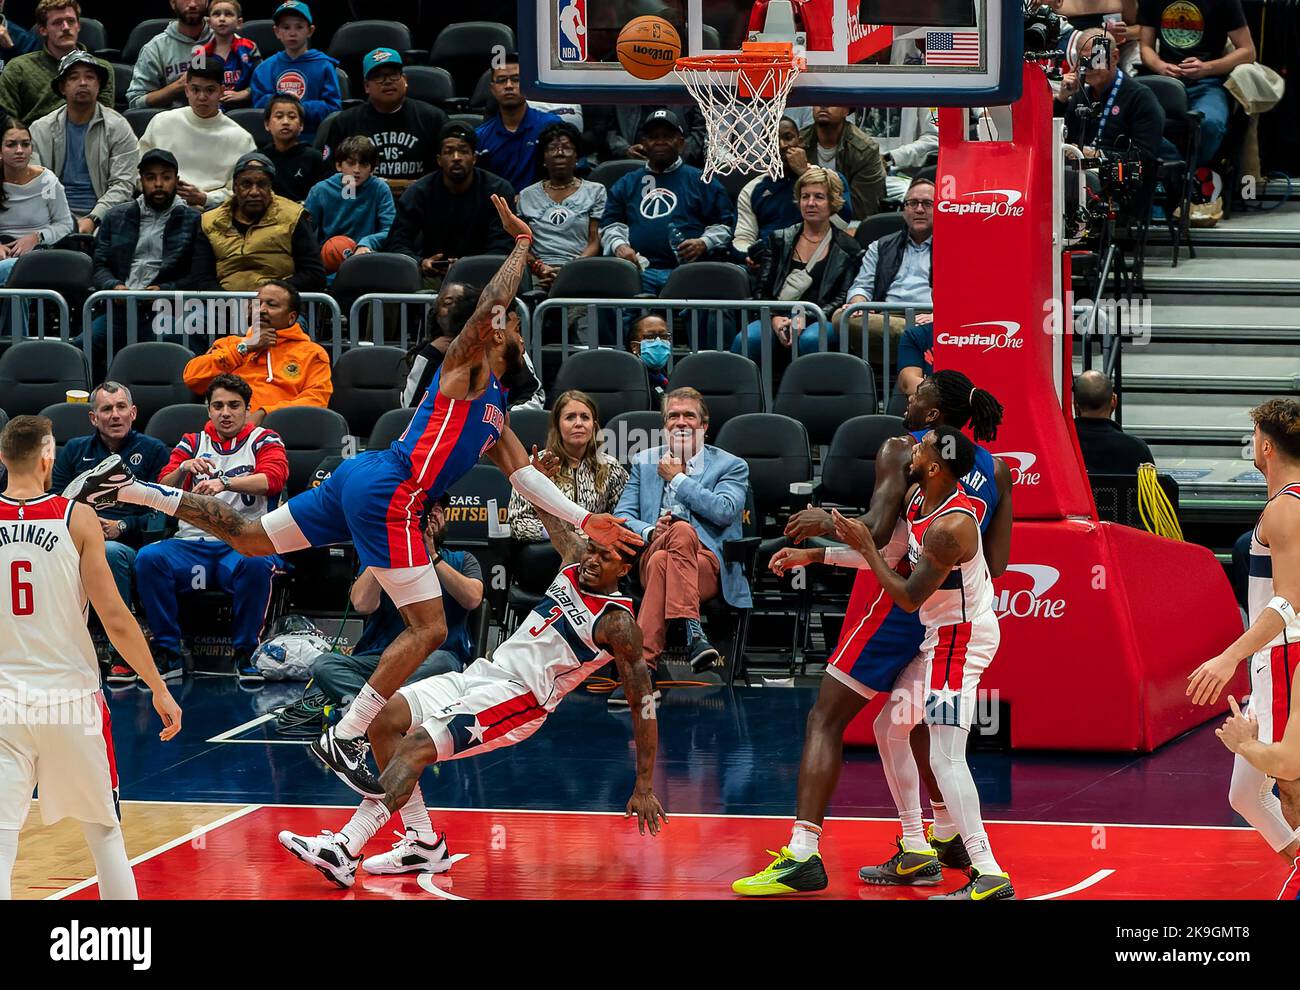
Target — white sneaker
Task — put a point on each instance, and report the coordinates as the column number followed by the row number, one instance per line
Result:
column 411, row 855
column 327, row 852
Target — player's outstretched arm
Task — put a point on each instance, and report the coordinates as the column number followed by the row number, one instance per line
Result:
column 121, row 627
column 949, row 541
column 619, row 633
column 886, row 498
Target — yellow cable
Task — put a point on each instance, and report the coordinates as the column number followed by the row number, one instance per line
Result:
column 1154, row 508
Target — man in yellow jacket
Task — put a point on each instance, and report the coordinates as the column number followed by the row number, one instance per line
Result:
column 283, row 365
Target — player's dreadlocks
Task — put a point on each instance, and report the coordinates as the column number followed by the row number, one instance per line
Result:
column 961, row 403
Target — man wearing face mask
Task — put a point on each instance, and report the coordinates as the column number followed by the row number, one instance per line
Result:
column 650, row 339
column 685, row 499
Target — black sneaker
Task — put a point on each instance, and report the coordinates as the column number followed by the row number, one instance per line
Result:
column 169, row 663
column 703, row 655
column 952, row 852
column 99, row 486
column 347, row 758
column 247, row 671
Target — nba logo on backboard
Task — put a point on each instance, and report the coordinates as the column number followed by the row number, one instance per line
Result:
column 573, row 30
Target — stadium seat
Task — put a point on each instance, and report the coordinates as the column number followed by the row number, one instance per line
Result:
column 66, row 272
column 729, row 383
column 630, row 433
column 354, row 39
column 478, row 269
column 614, row 379
column 464, row 50
column 389, row 427
column 734, row 182
column 345, row 86
column 825, row 389
column 94, row 39
column 879, row 225
column 849, row 468
column 70, row 419
column 140, row 36
column 530, row 426
column 367, row 384
column 310, row 435
column 607, row 173
column 1183, row 129
column 38, row 373
column 262, row 33
column 252, row 120
column 170, row 423
column 481, row 96
column 139, row 118
column 707, row 280
column 375, row 272
column 431, row 84
column 598, row 277
column 122, row 76
column 777, row 452
column 154, row 372
column 533, row 567
column 470, row 120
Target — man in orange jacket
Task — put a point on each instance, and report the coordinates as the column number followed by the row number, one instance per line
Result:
column 283, row 365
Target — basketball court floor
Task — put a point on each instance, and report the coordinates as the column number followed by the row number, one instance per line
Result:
column 544, row 820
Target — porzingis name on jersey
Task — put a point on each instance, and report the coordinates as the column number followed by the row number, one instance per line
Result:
column 38, row 536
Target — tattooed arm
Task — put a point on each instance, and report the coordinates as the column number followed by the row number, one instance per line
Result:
column 568, row 543
column 950, row 540
column 218, row 519
column 618, row 632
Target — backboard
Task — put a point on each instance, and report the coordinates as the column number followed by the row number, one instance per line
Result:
column 859, row 52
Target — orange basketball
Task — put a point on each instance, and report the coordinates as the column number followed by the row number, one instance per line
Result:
column 648, row 46
column 335, row 251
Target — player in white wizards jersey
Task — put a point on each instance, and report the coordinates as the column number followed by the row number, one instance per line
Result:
column 580, row 625
column 1271, row 644
column 54, row 725
column 948, row 583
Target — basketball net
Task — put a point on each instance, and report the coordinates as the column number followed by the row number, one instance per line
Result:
column 742, row 98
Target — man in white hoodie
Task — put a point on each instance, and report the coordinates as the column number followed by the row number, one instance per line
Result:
column 205, row 142
column 159, row 76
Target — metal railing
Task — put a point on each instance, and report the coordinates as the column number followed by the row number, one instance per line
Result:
column 373, row 304
column 16, row 312
column 909, row 312
column 189, row 314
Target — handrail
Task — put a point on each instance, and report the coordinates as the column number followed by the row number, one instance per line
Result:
column 376, row 300
column 17, row 318
column 909, row 312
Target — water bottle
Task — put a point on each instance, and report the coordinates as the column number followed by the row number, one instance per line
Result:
column 675, row 238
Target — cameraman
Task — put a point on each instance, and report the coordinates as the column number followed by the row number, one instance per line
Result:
column 1104, row 108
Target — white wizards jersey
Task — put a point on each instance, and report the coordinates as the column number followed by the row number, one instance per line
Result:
column 46, row 656
column 967, row 592
column 553, row 650
column 233, row 458
column 1259, row 588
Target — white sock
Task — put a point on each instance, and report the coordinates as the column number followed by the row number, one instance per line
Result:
column 366, row 822
column 944, row 827
column 415, row 817
column 948, row 760
column 164, row 498
column 804, row 839
column 8, row 856
column 913, row 830
column 108, row 849
column 365, row 706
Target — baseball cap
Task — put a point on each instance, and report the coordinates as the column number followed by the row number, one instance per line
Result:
column 72, row 60
column 254, row 159
column 664, row 117
column 293, row 7
column 458, row 129
column 160, row 156
column 377, row 59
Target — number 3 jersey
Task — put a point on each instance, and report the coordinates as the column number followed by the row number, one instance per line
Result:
column 554, row 650
column 44, row 644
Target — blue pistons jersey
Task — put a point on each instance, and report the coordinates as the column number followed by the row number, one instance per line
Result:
column 446, row 437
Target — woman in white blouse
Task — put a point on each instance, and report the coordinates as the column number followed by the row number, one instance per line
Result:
column 33, row 208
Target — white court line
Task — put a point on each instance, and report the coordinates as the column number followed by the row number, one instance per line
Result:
column 229, row 734
column 1081, row 885
column 159, row 850
column 426, row 882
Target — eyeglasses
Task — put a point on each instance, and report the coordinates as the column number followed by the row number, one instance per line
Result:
column 918, row 204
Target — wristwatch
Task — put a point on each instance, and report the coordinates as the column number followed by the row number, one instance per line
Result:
column 242, row 348
column 225, row 482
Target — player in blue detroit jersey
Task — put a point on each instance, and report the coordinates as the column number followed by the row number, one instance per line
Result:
column 878, row 641
column 377, row 500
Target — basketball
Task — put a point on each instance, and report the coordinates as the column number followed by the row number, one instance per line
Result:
column 648, row 46
column 335, row 251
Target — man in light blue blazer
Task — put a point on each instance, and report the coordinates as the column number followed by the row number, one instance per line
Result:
column 685, row 499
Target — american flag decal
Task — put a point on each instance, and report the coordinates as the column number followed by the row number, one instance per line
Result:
column 952, row 48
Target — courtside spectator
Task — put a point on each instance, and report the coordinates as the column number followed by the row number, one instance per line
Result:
column 834, row 142
column 298, row 166
column 650, row 339
column 244, row 465
column 812, row 261
column 238, row 55
column 404, row 129
column 664, row 213
column 33, row 209
column 449, row 214
column 282, row 365
column 613, row 132
column 341, row 676
column 563, row 210
column 112, row 416
column 1185, row 40
column 766, row 205
column 1106, row 448
column 15, row 39
column 352, row 202
column 453, row 308
column 205, row 141
column 896, row 268
column 258, row 236
column 158, row 76
column 1134, row 120
column 299, row 70
column 89, row 146
column 507, row 142
column 915, row 356
column 578, row 465
column 685, row 499
column 25, row 90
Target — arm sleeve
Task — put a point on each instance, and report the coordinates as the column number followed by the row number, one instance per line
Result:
column 203, row 270
column 309, row 270
column 866, row 279
column 914, row 154
column 720, row 215
column 9, row 92
column 181, row 453
column 329, row 101
column 868, row 182
column 721, row 504
column 61, row 223
column 101, row 275
column 261, row 84
column 629, row 503
column 272, row 461
column 146, row 76
column 746, row 222
column 123, row 168
column 1147, row 127
column 63, row 472
column 221, row 358
column 613, row 223
column 387, row 211
column 404, row 237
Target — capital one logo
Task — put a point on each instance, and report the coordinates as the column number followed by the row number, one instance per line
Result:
column 1020, row 463
column 1019, row 602
column 988, row 203
column 1002, row 335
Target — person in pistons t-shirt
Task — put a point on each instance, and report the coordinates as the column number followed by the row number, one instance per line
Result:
column 404, row 129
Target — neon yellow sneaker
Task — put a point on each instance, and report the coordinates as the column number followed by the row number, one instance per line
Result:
column 785, row 875
column 982, row 887
column 906, row 868
column 952, row 852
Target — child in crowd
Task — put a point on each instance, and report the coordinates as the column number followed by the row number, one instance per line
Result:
column 238, row 54
column 351, row 202
column 299, row 70
column 298, row 166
